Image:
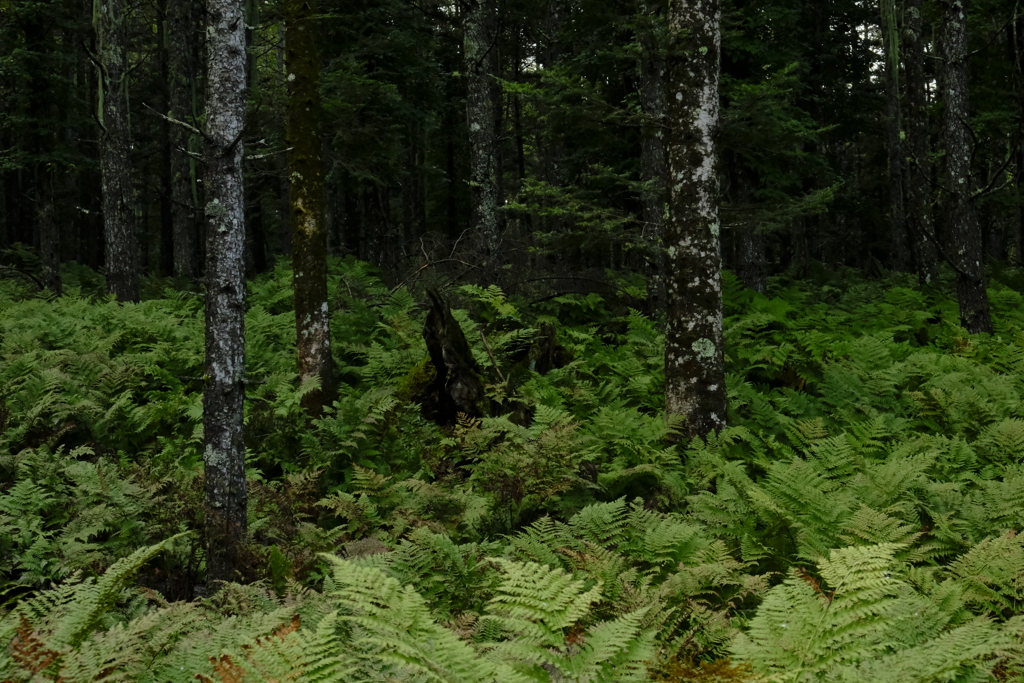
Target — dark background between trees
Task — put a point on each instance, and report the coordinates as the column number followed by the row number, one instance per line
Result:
column 821, row 161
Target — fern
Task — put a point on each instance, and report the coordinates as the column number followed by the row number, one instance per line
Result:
column 862, row 623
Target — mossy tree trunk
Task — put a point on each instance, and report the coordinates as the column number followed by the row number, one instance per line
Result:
column 308, row 220
column 480, row 52
column 111, row 24
column 694, row 360
column 223, row 415
column 919, row 167
column 964, row 246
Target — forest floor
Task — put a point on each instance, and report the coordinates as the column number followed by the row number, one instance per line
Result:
column 858, row 520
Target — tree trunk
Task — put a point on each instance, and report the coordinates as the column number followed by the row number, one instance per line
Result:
column 479, row 49
column 751, row 247
column 181, row 30
column 225, row 288
column 1015, row 236
column 694, row 359
column 893, row 130
column 919, row 168
column 309, row 232
column 964, row 243
column 164, row 173
column 653, row 164
column 49, row 232
column 121, row 255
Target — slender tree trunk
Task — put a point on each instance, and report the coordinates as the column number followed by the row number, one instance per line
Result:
column 181, row 69
column 653, row 164
column 121, row 255
column 893, row 132
column 553, row 142
column 225, row 288
column 309, row 232
column 479, row 40
column 964, row 244
column 164, row 178
column 919, row 168
column 1015, row 236
column 751, row 248
column 694, row 359
column 49, row 232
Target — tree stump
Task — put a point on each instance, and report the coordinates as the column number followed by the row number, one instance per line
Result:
column 457, row 387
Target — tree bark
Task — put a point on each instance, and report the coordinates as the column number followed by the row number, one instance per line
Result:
column 1015, row 236
column 694, row 359
column 181, row 69
column 224, row 394
column 653, row 164
column 309, row 231
column 893, row 133
column 121, row 247
column 919, row 167
column 479, row 50
column 964, row 245
column 49, row 233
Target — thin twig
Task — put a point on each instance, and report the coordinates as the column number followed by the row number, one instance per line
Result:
column 490, row 354
column 187, row 126
column 267, row 155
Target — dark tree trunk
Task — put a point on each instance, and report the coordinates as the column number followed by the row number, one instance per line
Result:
column 121, row 256
column 751, row 248
column 182, row 73
column 166, row 267
column 893, row 133
column 49, row 233
column 919, row 168
column 479, row 39
column 1015, row 232
column 223, row 415
column 309, row 232
column 694, row 359
column 653, row 164
column 964, row 247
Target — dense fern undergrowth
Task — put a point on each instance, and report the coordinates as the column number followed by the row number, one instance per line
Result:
column 858, row 521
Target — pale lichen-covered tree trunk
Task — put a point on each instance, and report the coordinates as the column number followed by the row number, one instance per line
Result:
column 964, row 245
column 479, row 51
column 181, row 70
column 694, row 359
column 111, row 24
column 225, row 288
column 893, row 133
column 308, row 225
column 919, row 167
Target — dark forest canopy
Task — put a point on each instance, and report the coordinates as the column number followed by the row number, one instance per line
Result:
column 804, row 141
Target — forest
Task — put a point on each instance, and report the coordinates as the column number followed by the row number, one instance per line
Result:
column 538, row 341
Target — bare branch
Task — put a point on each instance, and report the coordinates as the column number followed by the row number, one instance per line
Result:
column 187, row 126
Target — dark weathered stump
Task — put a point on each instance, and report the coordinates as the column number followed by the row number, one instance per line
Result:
column 457, row 387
